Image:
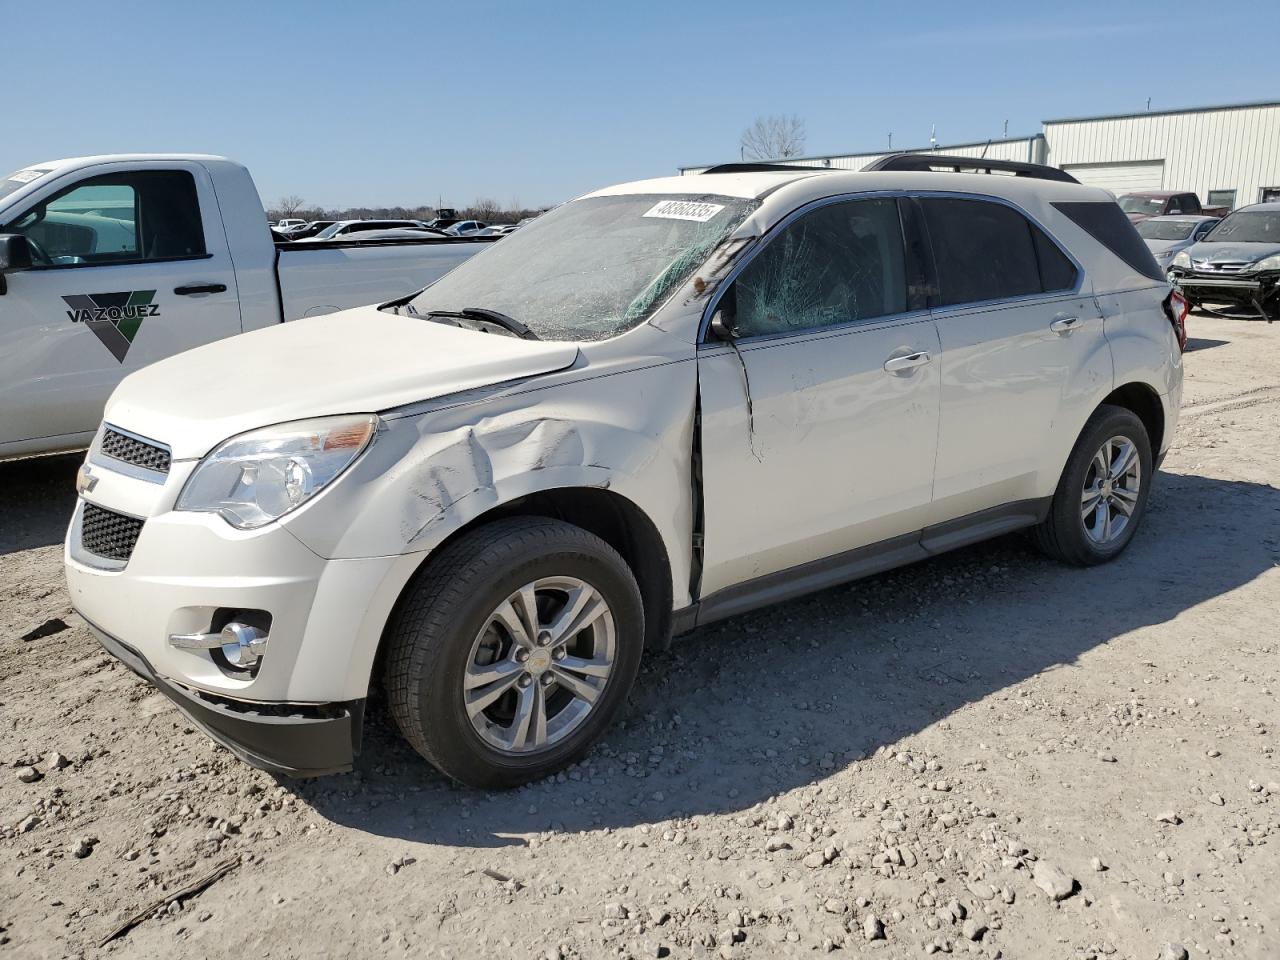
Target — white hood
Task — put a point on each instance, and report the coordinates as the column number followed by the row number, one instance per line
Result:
column 355, row 361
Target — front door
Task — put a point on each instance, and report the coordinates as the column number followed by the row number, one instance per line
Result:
column 819, row 423
column 131, row 266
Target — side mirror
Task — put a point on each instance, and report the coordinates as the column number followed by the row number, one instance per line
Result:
column 723, row 328
column 15, row 255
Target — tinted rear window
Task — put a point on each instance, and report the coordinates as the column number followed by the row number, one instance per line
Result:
column 1106, row 223
column 983, row 250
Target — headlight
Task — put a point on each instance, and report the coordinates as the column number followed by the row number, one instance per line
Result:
column 260, row 476
column 1183, row 259
column 1268, row 263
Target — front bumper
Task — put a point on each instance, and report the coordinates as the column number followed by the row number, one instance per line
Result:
column 1254, row 292
column 294, row 740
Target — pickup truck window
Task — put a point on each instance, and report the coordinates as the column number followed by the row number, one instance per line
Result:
column 1150, row 206
column 131, row 217
column 840, row 263
column 593, row 268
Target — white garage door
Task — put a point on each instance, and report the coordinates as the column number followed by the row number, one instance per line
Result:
column 1120, row 177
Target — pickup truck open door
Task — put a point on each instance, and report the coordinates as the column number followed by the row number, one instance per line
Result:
column 130, row 265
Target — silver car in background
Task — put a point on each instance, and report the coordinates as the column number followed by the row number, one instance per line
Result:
column 1166, row 236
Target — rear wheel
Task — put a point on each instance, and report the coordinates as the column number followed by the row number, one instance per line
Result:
column 514, row 650
column 1103, row 491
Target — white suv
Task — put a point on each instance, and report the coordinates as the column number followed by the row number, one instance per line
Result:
column 661, row 404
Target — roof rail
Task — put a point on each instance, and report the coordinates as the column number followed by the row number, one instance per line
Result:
column 759, row 168
column 956, row 164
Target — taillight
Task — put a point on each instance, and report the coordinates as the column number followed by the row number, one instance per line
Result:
column 1176, row 309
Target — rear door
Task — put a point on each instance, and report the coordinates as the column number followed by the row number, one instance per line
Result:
column 819, row 423
column 1022, row 346
column 132, row 266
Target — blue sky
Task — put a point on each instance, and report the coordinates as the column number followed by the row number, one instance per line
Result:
column 384, row 103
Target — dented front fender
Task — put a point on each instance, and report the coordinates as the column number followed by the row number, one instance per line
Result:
column 428, row 475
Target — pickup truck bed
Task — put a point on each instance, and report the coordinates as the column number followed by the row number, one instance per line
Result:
column 376, row 270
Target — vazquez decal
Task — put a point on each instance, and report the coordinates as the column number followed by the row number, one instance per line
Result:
column 113, row 317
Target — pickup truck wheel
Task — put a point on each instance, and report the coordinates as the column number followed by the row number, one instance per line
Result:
column 513, row 650
column 1103, row 492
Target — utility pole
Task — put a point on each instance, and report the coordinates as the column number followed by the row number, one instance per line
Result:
column 890, row 139
column 1006, row 129
column 1148, row 104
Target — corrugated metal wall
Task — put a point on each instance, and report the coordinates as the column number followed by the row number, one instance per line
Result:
column 1220, row 149
column 997, row 150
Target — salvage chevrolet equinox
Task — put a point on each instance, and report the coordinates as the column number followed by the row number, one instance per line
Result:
column 661, row 404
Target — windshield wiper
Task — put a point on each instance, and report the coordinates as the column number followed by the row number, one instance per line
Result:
column 501, row 319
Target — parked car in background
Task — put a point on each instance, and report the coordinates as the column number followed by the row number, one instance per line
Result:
column 344, row 228
column 394, row 233
column 464, row 227
column 496, row 230
column 661, row 404
column 183, row 259
column 1166, row 236
column 307, row 229
column 1159, row 203
column 289, row 223
column 1236, row 267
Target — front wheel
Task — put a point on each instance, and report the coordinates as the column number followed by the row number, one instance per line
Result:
column 1102, row 494
column 513, row 651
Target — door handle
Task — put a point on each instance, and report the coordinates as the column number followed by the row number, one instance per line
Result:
column 1064, row 324
column 194, row 289
column 909, row 362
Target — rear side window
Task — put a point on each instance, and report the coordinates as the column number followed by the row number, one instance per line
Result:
column 982, row 250
column 1106, row 223
column 1056, row 271
column 837, row 264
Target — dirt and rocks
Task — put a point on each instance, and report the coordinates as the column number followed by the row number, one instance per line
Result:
column 986, row 754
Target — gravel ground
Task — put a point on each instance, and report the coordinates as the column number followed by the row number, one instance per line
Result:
column 983, row 754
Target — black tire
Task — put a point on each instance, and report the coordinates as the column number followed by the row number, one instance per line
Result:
column 1062, row 535
column 431, row 634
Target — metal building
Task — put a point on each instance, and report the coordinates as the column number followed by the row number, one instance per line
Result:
column 1228, row 155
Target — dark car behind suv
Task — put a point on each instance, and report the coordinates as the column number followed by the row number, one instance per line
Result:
column 1237, row 266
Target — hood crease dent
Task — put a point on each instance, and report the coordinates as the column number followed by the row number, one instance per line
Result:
column 356, row 361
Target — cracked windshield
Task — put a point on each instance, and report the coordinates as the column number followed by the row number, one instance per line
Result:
column 592, row 268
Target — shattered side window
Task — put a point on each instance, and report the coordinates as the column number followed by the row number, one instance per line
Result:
column 840, row 263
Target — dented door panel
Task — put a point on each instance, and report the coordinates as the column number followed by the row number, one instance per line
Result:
column 836, row 452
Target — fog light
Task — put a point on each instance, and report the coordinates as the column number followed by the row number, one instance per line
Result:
column 242, row 645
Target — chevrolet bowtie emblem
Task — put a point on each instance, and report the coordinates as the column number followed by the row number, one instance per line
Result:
column 86, row 479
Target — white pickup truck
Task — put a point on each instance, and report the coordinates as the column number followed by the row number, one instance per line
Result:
column 110, row 263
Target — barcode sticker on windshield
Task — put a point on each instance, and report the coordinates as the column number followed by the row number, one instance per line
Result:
column 26, row 176
column 685, row 210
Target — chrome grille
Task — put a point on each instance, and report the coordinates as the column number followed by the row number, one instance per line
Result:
column 1226, row 266
column 129, row 449
column 108, row 534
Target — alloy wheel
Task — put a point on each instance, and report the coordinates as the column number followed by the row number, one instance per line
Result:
column 539, row 664
column 1112, row 485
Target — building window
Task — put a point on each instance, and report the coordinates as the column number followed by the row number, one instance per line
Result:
column 1270, row 194
column 1222, row 198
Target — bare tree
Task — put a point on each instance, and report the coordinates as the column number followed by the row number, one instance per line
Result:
column 774, row 137
column 288, row 206
column 485, row 209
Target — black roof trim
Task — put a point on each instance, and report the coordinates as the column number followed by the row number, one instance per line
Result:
column 957, row 164
column 760, row 168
